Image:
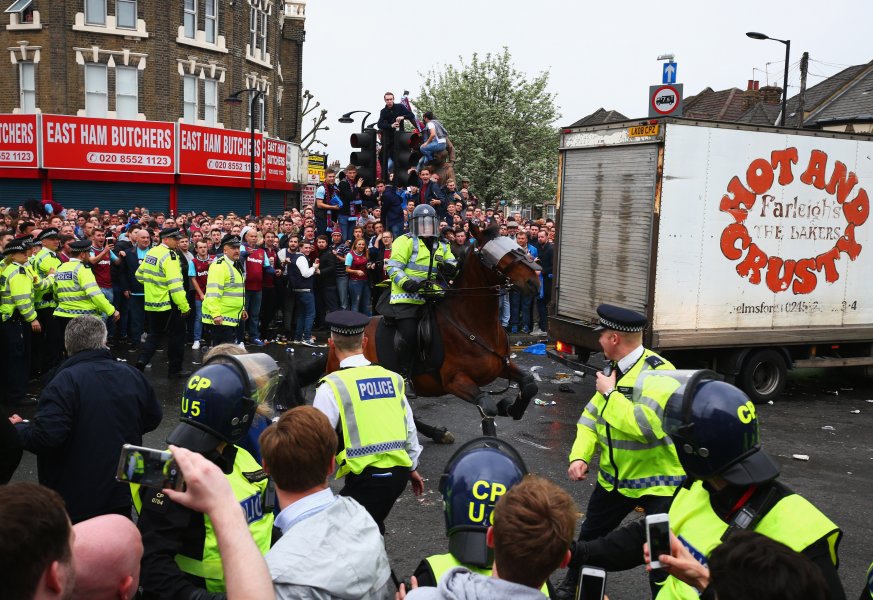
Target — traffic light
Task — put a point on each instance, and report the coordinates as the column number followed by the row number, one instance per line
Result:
column 365, row 160
column 406, row 155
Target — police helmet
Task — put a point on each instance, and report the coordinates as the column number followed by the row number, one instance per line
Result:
column 713, row 425
column 424, row 222
column 475, row 477
column 220, row 400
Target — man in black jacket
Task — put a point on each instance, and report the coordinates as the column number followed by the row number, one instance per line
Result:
column 390, row 120
column 92, row 406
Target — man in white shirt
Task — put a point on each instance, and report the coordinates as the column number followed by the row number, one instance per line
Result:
column 437, row 137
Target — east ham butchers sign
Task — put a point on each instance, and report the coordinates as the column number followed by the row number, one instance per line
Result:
column 827, row 205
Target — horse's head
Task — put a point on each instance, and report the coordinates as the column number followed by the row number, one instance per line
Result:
column 504, row 256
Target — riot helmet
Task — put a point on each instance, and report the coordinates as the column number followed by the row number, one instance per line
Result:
column 219, row 402
column 713, row 425
column 475, row 477
column 424, row 222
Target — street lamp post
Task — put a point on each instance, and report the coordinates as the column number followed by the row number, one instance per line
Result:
column 253, row 97
column 761, row 36
column 347, row 118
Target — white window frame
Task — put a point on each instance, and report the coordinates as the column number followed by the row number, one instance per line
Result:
column 253, row 28
column 210, row 21
column 189, row 16
column 27, row 95
column 189, row 107
column 122, row 95
column 90, row 17
column 118, row 5
column 262, row 33
column 210, row 102
column 93, row 91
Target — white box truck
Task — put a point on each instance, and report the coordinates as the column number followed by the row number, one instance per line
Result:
column 748, row 248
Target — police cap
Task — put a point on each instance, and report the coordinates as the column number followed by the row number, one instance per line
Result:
column 620, row 319
column 170, row 232
column 27, row 240
column 231, row 240
column 14, row 246
column 48, row 232
column 347, row 322
column 80, row 245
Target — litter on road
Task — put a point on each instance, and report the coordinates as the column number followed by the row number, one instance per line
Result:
column 800, row 456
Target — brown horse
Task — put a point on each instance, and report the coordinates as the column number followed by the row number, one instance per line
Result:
column 476, row 347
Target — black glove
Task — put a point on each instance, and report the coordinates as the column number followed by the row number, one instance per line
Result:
column 412, row 286
column 447, row 269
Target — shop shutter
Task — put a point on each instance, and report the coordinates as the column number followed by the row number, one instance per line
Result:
column 111, row 196
column 213, row 200
column 15, row 192
column 272, row 202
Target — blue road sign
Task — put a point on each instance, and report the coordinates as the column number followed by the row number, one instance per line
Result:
column 669, row 73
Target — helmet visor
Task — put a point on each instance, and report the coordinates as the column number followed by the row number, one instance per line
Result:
column 424, row 226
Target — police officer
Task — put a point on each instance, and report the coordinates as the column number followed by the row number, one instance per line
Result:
column 638, row 464
column 476, row 476
column 17, row 322
column 224, row 302
column 180, row 552
column 379, row 446
column 166, row 304
column 48, row 347
column 76, row 290
column 416, row 258
column 732, row 485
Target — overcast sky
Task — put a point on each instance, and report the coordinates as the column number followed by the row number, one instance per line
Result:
column 599, row 54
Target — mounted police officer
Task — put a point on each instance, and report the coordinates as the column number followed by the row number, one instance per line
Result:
column 76, row 290
column 165, row 303
column 224, row 302
column 638, row 464
column 180, row 551
column 17, row 322
column 379, row 446
column 416, row 258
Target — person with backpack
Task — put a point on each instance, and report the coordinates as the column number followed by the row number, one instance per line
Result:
column 437, row 137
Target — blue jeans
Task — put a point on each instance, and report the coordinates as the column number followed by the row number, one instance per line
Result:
column 503, row 309
column 359, row 291
column 342, row 291
column 110, row 322
column 396, row 229
column 520, row 315
column 198, row 323
column 428, row 150
column 347, row 226
column 305, row 315
column 253, row 308
column 136, row 316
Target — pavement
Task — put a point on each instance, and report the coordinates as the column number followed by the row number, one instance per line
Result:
column 824, row 414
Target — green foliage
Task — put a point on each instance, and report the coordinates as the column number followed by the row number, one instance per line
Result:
column 501, row 124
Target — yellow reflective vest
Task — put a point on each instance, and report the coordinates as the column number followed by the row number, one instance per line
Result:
column 77, row 292
column 42, row 262
column 636, row 456
column 441, row 563
column 16, row 292
column 410, row 259
column 161, row 278
column 225, row 293
column 793, row 521
column 372, row 409
column 249, row 483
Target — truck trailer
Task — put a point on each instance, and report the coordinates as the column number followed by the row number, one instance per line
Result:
column 747, row 247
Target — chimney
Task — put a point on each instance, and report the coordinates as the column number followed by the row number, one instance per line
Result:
column 752, row 95
column 771, row 94
column 753, row 85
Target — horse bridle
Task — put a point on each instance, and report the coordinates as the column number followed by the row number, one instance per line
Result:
column 501, row 253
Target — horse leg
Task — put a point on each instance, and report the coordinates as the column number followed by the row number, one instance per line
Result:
column 527, row 389
column 440, row 435
column 466, row 389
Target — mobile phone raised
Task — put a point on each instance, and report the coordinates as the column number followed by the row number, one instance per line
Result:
column 592, row 583
column 658, row 537
column 149, row 467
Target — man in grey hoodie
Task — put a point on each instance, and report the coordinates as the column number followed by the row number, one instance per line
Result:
column 331, row 547
column 534, row 523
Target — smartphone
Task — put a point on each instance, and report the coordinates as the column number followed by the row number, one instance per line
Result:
column 592, row 583
column 149, row 467
column 658, row 536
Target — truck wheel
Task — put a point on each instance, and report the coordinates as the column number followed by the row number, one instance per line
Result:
column 763, row 375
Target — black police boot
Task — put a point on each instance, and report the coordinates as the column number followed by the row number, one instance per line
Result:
column 407, row 383
column 566, row 590
column 179, row 375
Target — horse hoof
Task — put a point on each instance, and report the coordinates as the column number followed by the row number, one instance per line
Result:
column 444, row 436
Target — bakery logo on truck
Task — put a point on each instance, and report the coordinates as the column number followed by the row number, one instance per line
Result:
column 828, row 215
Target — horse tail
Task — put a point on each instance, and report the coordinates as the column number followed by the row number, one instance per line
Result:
column 299, row 373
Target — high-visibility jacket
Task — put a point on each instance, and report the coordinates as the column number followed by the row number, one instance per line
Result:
column 410, row 259
column 793, row 521
column 77, row 292
column 225, row 293
column 372, row 409
column 440, row 564
column 161, row 278
column 42, row 262
column 636, row 456
column 869, row 588
column 249, row 483
column 16, row 292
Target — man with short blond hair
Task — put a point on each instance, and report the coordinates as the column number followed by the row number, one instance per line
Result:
column 330, row 545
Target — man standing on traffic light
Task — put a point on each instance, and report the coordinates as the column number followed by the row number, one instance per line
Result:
column 416, row 258
column 390, row 120
column 224, row 302
column 165, row 303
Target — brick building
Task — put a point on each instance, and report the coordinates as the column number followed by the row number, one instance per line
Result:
column 165, row 61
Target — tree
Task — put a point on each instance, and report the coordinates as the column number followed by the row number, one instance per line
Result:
column 501, row 124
